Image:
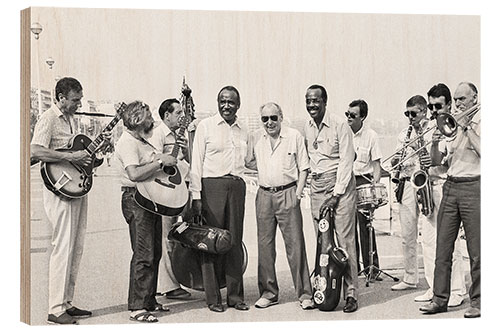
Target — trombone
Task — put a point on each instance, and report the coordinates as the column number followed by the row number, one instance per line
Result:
column 446, row 123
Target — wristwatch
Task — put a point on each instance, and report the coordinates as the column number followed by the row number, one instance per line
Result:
column 160, row 162
column 466, row 128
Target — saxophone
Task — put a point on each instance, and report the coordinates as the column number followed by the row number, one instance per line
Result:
column 420, row 179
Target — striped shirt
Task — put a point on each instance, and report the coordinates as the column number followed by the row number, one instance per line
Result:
column 463, row 160
column 331, row 149
column 281, row 164
column 367, row 151
column 218, row 149
column 54, row 129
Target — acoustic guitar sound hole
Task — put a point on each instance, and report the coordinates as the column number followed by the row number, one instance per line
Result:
column 169, row 170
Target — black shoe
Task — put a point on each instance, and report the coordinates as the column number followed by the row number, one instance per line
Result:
column 76, row 312
column 216, row 307
column 64, row 319
column 433, row 308
column 240, row 306
column 351, row 305
column 178, row 293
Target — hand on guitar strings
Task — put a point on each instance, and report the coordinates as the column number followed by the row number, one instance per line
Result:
column 81, row 158
column 183, row 144
column 167, row 159
column 105, row 145
column 329, row 203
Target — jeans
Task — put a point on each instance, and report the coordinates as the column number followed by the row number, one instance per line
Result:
column 145, row 230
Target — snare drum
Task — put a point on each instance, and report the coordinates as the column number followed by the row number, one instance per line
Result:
column 371, row 196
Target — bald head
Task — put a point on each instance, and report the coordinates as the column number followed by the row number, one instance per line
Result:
column 465, row 96
column 271, row 116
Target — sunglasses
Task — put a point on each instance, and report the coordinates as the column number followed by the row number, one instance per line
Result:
column 351, row 115
column 413, row 114
column 436, row 106
column 265, row 119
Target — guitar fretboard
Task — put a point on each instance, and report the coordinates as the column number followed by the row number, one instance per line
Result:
column 100, row 138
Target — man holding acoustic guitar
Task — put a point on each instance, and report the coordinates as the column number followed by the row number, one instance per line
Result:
column 68, row 215
column 139, row 160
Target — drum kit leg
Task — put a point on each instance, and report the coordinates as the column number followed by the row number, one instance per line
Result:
column 372, row 272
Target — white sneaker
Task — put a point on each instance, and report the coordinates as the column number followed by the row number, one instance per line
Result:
column 403, row 286
column 307, row 304
column 425, row 297
column 455, row 300
column 263, row 303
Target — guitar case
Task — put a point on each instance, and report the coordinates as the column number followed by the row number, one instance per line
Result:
column 187, row 253
column 201, row 237
column 330, row 266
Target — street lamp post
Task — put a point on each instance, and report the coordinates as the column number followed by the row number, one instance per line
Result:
column 36, row 29
column 51, row 62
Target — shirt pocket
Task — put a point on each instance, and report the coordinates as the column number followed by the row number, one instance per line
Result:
column 289, row 162
column 363, row 155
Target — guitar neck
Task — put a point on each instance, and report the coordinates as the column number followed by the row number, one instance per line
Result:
column 175, row 150
column 100, row 138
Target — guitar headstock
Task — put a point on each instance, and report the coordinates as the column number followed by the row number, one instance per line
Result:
column 187, row 100
column 120, row 107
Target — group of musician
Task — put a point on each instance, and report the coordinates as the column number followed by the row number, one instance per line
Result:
column 339, row 154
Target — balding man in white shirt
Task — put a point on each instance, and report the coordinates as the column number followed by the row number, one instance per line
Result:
column 279, row 155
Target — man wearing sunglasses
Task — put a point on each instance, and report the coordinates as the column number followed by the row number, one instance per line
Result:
column 461, row 204
column 329, row 142
column 366, row 169
column 409, row 210
column 279, row 154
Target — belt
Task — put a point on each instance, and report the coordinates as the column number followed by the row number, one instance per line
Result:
column 463, row 179
column 228, row 176
column 128, row 189
column 278, row 188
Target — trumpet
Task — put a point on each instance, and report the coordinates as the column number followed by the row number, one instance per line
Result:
column 445, row 123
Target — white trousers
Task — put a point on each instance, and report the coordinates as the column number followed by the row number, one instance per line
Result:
column 409, row 215
column 69, row 223
column 166, row 279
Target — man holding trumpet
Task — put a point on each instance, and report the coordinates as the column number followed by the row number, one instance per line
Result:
column 421, row 198
column 461, row 200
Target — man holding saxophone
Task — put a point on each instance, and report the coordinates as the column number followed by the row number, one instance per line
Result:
column 421, row 197
column 461, row 201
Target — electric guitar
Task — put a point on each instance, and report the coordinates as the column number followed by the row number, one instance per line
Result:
column 69, row 180
column 165, row 193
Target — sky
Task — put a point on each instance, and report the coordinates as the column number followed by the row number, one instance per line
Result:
column 124, row 54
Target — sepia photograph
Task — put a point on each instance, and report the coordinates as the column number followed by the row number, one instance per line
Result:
column 162, row 149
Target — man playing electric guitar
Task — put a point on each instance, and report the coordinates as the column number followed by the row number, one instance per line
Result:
column 68, row 217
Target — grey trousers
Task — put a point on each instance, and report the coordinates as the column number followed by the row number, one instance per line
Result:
column 281, row 209
column 345, row 222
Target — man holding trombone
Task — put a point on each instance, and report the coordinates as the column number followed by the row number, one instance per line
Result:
column 461, row 199
column 422, row 180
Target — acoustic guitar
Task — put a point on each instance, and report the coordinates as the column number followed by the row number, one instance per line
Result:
column 165, row 193
column 68, row 179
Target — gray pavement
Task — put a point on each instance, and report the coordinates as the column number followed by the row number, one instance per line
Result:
column 103, row 279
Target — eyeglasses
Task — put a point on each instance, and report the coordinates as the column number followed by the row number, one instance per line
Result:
column 437, row 106
column 265, row 119
column 351, row 115
column 413, row 114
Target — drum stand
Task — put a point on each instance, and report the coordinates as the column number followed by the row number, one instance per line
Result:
column 372, row 271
